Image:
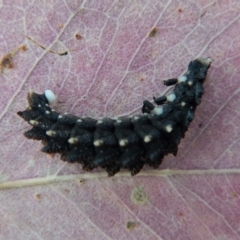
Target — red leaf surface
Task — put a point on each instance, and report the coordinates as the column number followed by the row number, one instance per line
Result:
column 118, row 53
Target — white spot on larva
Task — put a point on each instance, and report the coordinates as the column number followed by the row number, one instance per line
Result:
column 72, row 140
column 33, row 122
column 147, row 138
column 51, row 98
column 53, row 110
column 190, row 83
column 98, row 143
column 46, row 105
column 51, row 133
column 208, row 60
column 99, row 122
column 136, row 117
column 119, row 120
column 205, row 61
column 47, row 112
column 79, row 120
column 123, row 142
column 157, row 110
column 183, row 104
column 60, row 116
column 171, row 97
column 169, row 128
column 39, row 105
column 182, row 79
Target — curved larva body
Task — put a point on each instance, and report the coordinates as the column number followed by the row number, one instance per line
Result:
column 126, row 142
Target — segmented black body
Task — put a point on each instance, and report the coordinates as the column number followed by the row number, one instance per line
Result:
column 125, row 142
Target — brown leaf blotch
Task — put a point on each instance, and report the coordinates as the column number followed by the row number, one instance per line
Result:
column 7, row 61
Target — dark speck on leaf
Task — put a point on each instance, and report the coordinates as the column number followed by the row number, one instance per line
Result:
column 180, row 214
column 153, row 32
column 180, row 10
column 78, row 36
column 23, row 48
column 38, row 196
column 81, row 181
column 131, row 225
